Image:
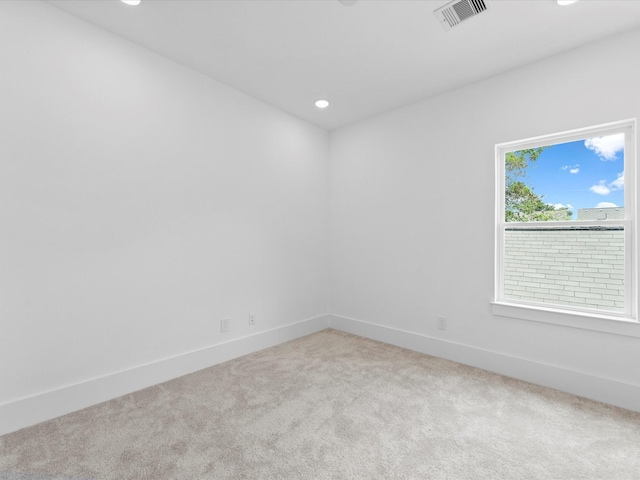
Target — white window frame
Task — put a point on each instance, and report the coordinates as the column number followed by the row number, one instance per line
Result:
column 624, row 323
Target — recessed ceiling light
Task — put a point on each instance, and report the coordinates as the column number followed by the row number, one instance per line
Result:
column 564, row 3
column 322, row 104
column 131, row 2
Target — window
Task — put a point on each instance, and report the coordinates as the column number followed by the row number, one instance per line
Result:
column 566, row 227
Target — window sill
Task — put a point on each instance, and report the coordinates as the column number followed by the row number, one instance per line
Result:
column 586, row 321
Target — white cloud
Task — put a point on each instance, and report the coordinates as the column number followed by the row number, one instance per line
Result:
column 560, row 206
column 604, row 188
column 618, row 183
column 600, row 188
column 606, row 147
column 573, row 171
column 606, row 205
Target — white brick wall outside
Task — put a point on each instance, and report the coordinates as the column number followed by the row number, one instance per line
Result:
column 582, row 268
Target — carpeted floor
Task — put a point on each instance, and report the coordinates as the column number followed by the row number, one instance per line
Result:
column 333, row 406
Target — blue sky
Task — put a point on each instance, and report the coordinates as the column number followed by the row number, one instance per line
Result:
column 582, row 174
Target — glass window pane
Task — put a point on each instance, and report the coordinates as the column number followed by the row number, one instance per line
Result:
column 579, row 180
column 574, row 266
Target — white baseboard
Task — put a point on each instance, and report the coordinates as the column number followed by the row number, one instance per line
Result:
column 38, row 408
column 605, row 390
column 29, row 411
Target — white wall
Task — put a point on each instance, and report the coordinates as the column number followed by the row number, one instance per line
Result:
column 140, row 202
column 412, row 211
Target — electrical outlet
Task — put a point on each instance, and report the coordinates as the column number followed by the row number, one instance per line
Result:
column 252, row 319
column 224, row 325
column 442, row 323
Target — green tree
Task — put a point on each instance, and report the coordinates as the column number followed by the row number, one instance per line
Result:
column 522, row 204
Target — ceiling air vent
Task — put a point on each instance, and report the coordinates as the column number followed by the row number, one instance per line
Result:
column 456, row 12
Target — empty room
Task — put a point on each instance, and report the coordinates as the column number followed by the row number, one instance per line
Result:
column 319, row 239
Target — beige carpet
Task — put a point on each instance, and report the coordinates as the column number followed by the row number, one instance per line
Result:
column 333, row 406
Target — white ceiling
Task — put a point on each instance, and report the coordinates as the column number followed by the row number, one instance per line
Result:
column 366, row 58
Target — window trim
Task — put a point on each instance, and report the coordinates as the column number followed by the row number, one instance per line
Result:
column 623, row 323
